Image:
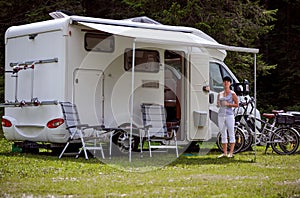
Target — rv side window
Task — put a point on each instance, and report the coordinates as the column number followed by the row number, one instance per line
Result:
column 99, row 42
column 215, row 76
column 145, row 60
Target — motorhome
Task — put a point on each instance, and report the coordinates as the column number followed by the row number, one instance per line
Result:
column 108, row 68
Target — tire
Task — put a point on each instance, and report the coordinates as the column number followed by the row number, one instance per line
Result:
column 121, row 143
column 219, row 142
column 239, row 141
column 249, row 139
column 285, row 141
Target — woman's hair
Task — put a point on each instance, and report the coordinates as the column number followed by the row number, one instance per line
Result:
column 227, row 78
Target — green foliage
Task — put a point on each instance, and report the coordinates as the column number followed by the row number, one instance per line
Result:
column 229, row 22
column 242, row 64
column 271, row 26
column 280, row 47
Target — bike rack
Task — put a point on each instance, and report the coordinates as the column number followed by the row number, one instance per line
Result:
column 22, row 66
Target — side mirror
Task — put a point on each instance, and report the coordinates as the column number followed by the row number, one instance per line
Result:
column 241, row 89
column 247, row 89
column 211, row 98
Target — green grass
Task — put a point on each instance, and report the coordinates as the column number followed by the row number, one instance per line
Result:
column 44, row 175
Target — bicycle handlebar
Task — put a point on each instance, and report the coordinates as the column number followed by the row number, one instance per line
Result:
column 246, row 104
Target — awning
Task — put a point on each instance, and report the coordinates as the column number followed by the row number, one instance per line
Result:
column 148, row 35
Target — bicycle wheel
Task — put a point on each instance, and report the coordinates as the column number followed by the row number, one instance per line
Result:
column 249, row 139
column 219, row 142
column 285, row 141
column 239, row 141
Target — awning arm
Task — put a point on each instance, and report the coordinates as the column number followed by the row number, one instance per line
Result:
column 204, row 45
column 255, row 149
column 235, row 49
column 132, row 98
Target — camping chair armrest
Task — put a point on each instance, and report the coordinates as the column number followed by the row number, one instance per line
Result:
column 147, row 126
column 111, row 129
column 96, row 127
column 78, row 126
column 108, row 130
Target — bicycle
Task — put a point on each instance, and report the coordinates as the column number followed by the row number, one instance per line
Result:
column 279, row 134
column 267, row 125
column 296, row 119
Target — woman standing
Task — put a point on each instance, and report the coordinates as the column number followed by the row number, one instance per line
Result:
column 226, row 100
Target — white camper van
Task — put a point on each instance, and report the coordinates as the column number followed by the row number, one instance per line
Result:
column 88, row 62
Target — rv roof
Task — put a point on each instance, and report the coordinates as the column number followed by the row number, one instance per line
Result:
column 145, row 32
column 153, row 35
column 134, row 22
column 37, row 27
column 125, row 26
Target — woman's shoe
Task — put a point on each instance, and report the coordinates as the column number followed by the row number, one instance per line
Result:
column 230, row 155
column 222, row 155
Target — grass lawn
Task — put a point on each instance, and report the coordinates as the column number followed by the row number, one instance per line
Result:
column 195, row 175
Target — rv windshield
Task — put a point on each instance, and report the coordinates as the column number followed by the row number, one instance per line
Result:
column 216, row 73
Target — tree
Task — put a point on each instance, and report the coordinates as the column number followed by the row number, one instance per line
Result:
column 237, row 23
column 281, row 47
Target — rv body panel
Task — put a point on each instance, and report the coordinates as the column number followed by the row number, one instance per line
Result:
column 30, row 124
column 42, row 81
column 99, row 78
column 46, row 80
column 198, row 101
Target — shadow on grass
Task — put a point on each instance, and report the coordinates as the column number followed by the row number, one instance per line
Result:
column 138, row 164
column 159, row 160
column 212, row 158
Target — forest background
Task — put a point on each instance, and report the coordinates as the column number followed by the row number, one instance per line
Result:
column 272, row 26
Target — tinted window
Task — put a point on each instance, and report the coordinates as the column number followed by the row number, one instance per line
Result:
column 101, row 42
column 215, row 77
column 145, row 60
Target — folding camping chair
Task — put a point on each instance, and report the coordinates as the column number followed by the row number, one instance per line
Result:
column 88, row 136
column 156, row 131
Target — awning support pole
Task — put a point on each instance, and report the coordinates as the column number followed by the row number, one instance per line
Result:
column 255, row 106
column 132, row 98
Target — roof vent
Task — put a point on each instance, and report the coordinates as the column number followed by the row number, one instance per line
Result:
column 60, row 14
column 143, row 19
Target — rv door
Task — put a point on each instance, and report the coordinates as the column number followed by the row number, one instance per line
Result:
column 88, row 94
column 198, row 98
